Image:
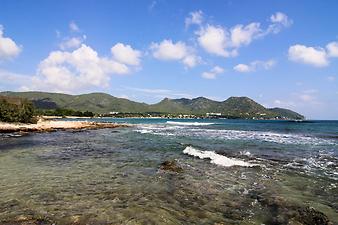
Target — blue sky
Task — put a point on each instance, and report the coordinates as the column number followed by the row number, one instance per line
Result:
column 279, row 53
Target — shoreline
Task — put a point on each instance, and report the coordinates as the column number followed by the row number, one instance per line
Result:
column 53, row 125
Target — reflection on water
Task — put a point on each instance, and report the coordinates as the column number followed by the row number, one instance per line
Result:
column 112, row 176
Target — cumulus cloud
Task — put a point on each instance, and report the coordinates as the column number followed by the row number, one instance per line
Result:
column 279, row 20
column 332, row 49
column 126, row 54
column 74, row 27
column 224, row 42
column 212, row 74
column 214, row 40
column 242, row 68
column 253, row 66
column 194, row 18
column 72, row 43
column 8, row 48
column 243, row 35
column 315, row 56
column 69, row 71
column 167, row 50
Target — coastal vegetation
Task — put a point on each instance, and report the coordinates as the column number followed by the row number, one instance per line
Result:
column 64, row 112
column 102, row 104
column 13, row 109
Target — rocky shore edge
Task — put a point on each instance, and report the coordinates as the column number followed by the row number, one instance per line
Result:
column 55, row 125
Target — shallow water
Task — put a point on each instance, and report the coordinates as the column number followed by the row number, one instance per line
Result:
column 112, row 176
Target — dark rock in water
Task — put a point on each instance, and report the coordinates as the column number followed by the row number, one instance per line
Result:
column 310, row 216
column 281, row 212
column 171, row 166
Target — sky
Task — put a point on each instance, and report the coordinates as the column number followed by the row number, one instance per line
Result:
column 279, row 53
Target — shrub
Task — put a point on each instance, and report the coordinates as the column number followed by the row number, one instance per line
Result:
column 16, row 110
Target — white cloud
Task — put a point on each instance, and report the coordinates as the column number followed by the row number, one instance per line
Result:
column 306, row 97
column 243, row 35
column 126, row 54
column 253, row 66
column 308, row 55
column 332, row 49
column 281, row 18
column 191, row 60
column 242, row 68
column 179, row 51
column 65, row 71
column 74, row 27
column 13, row 81
column 226, row 42
column 214, row 40
column 315, row 56
column 72, row 43
column 8, row 48
column 217, row 70
column 167, row 50
column 194, row 18
column 212, row 74
column 208, row 75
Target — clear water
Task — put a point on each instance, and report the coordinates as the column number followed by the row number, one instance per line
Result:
column 112, row 176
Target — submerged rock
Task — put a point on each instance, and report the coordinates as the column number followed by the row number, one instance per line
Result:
column 171, row 166
column 28, row 220
column 282, row 212
column 310, row 216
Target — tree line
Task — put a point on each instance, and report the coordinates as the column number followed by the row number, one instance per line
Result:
column 21, row 110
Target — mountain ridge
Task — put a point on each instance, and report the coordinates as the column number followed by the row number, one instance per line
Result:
column 97, row 102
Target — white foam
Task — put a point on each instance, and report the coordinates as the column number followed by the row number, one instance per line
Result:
column 144, row 131
column 189, row 123
column 193, row 129
column 215, row 158
column 246, row 153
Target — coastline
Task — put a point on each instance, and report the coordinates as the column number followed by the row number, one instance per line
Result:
column 53, row 125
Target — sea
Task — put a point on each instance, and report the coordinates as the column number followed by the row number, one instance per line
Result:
column 230, row 172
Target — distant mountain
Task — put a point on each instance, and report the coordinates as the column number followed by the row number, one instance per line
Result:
column 94, row 102
column 233, row 107
column 287, row 113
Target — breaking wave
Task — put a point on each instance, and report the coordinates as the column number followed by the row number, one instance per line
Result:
column 216, row 158
column 175, row 129
column 189, row 123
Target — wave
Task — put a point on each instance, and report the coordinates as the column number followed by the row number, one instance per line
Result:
column 263, row 136
column 189, row 123
column 216, row 158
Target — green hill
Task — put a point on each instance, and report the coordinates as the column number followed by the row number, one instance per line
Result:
column 94, row 102
column 287, row 113
column 233, row 107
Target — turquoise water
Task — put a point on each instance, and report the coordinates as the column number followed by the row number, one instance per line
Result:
column 234, row 172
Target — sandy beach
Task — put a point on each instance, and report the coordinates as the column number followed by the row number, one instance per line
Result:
column 53, row 125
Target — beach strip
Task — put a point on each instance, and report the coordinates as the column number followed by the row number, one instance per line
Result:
column 54, row 125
